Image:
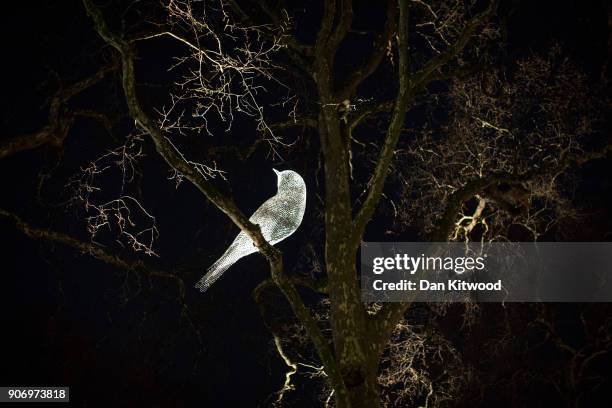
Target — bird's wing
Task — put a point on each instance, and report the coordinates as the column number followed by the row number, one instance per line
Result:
column 278, row 218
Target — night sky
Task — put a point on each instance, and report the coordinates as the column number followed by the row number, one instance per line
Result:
column 122, row 339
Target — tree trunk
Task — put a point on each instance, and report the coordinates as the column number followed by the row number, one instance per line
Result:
column 349, row 320
column 367, row 393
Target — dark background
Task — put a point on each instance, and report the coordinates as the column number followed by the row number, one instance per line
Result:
column 120, row 340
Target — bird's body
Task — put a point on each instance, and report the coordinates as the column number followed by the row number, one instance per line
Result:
column 278, row 218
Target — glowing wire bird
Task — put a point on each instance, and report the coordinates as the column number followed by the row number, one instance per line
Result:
column 278, row 217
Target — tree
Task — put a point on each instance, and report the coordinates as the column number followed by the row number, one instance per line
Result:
column 470, row 178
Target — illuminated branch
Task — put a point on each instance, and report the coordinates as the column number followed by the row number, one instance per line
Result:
column 474, row 187
column 299, row 54
column 257, row 297
column 124, row 214
column 224, row 71
column 291, row 333
column 412, row 357
column 287, row 386
column 472, row 220
column 302, row 50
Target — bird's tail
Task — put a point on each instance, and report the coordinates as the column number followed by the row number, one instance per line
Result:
column 216, row 270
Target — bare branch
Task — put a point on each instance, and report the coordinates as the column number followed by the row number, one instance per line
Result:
column 60, row 118
column 379, row 50
column 409, row 85
column 298, row 122
column 428, row 72
column 391, row 313
column 298, row 50
column 399, row 112
column 124, row 215
column 91, row 249
column 366, row 113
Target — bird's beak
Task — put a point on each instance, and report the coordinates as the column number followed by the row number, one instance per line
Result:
column 277, row 172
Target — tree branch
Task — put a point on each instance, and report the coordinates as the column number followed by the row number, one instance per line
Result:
column 91, row 249
column 387, row 106
column 298, row 122
column 429, row 71
column 296, row 50
column 397, row 119
column 290, row 40
column 364, row 114
column 379, row 50
column 60, row 118
column 470, row 189
column 409, row 86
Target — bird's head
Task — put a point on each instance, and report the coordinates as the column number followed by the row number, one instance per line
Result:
column 288, row 178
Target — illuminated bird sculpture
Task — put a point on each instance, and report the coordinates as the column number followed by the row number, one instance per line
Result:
column 278, row 217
